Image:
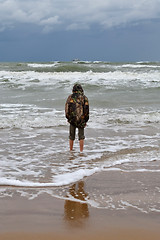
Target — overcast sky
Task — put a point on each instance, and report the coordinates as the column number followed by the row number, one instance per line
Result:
column 107, row 30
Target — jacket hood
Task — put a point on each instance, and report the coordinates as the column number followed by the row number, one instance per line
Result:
column 77, row 88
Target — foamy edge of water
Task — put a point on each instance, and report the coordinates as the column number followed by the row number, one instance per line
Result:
column 60, row 180
column 67, row 178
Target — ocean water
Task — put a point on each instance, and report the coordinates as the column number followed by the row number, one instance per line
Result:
column 123, row 132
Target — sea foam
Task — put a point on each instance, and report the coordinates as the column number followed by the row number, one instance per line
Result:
column 60, row 180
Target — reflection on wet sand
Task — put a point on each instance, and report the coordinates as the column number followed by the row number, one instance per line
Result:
column 76, row 212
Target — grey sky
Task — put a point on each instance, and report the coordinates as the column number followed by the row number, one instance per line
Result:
column 111, row 30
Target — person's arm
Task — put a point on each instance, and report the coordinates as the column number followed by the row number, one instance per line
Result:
column 67, row 108
column 86, row 109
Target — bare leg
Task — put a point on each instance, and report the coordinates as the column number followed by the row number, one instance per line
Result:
column 71, row 144
column 81, row 144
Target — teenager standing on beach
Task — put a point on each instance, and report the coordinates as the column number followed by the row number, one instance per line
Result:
column 77, row 113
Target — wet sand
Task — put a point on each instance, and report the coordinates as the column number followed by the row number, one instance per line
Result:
column 46, row 217
column 107, row 235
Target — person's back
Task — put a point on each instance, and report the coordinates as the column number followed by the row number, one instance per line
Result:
column 77, row 113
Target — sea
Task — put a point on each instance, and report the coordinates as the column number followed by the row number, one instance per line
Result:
column 122, row 134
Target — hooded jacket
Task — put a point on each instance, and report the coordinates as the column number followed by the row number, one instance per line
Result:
column 77, row 107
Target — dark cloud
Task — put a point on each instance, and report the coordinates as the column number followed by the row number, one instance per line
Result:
column 71, row 14
column 47, row 30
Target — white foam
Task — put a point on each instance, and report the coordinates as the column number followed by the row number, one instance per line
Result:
column 145, row 170
column 42, row 65
column 67, row 178
column 18, row 183
column 60, row 180
column 101, row 117
column 29, row 116
column 127, row 204
column 139, row 65
column 132, row 170
column 109, row 80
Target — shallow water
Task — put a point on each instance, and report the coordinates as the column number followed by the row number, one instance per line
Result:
column 122, row 134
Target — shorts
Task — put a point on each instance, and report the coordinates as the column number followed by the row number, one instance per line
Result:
column 72, row 131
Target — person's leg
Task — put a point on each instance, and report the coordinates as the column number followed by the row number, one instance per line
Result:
column 72, row 131
column 71, row 144
column 81, row 138
column 81, row 144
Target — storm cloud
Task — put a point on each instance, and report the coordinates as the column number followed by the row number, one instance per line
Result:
column 51, row 15
column 108, row 30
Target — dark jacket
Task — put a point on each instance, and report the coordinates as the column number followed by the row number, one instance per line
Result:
column 77, row 109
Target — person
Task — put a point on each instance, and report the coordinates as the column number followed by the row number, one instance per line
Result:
column 77, row 113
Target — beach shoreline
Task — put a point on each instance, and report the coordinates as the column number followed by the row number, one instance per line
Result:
column 110, row 191
column 47, row 217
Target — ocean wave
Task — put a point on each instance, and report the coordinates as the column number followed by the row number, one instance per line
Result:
column 137, row 118
column 95, row 66
column 31, row 122
column 140, row 65
column 103, row 117
column 75, row 66
column 109, row 80
column 80, row 66
column 42, row 65
column 23, row 116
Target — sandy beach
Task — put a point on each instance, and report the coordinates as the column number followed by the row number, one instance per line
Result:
column 46, row 217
